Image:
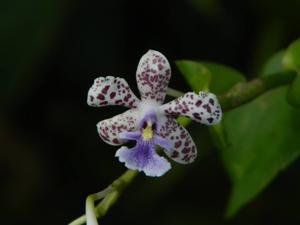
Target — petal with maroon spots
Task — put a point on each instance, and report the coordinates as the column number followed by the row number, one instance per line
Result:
column 111, row 91
column 183, row 148
column 110, row 129
column 153, row 75
column 203, row 107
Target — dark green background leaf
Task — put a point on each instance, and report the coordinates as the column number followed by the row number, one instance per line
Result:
column 291, row 60
column 263, row 139
column 274, row 64
column 196, row 74
column 223, row 77
column 293, row 96
column 206, row 75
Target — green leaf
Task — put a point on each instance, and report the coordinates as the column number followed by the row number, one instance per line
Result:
column 277, row 64
column 218, row 136
column 274, row 64
column 197, row 75
column 291, row 58
column 263, row 139
column 206, row 75
column 293, row 96
column 214, row 77
column 223, row 77
column 183, row 121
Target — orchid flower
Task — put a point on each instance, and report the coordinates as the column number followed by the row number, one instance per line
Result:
column 149, row 122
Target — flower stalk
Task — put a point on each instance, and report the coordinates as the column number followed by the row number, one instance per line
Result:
column 109, row 195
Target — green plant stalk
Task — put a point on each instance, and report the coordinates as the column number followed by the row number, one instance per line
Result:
column 244, row 92
column 89, row 205
column 174, row 93
column 238, row 95
column 116, row 189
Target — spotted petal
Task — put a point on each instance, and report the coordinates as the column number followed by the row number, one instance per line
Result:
column 183, row 149
column 153, row 75
column 203, row 108
column 110, row 129
column 111, row 91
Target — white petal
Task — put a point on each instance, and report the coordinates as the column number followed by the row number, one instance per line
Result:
column 111, row 91
column 110, row 129
column 203, row 108
column 183, row 147
column 153, row 75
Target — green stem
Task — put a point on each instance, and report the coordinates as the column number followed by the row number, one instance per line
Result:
column 244, row 92
column 238, row 95
column 115, row 191
column 174, row 93
column 90, row 208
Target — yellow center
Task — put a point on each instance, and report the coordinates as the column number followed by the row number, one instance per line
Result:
column 147, row 132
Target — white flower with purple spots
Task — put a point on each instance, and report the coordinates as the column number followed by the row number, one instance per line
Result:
column 148, row 122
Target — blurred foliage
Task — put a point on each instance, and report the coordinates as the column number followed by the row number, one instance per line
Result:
column 262, row 140
column 291, row 60
column 196, row 74
column 210, row 76
column 294, row 92
column 51, row 155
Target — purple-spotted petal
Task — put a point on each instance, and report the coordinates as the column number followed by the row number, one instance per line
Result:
column 111, row 91
column 203, row 107
column 153, row 75
column 183, row 148
column 110, row 129
column 143, row 159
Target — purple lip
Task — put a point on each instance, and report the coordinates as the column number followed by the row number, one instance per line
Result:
column 142, row 156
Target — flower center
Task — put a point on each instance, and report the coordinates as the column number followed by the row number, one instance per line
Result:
column 147, row 130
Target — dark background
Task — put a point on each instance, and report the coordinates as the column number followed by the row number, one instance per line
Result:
column 51, row 157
